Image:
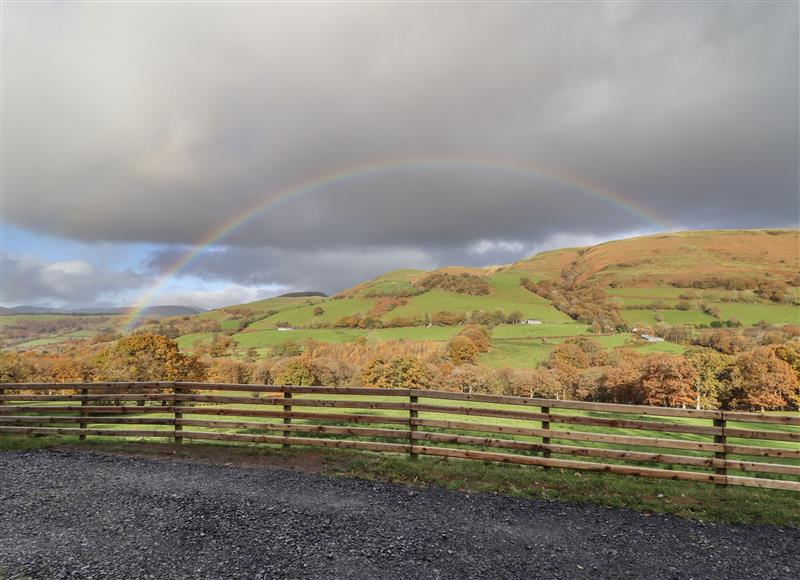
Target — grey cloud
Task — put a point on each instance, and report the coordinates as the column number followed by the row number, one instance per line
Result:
column 32, row 281
column 325, row 270
column 159, row 122
column 336, row 269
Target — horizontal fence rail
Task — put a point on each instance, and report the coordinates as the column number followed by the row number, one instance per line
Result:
column 720, row 447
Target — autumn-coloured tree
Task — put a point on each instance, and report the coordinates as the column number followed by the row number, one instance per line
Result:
column 446, row 318
column 293, row 371
column 146, row 357
column 397, row 373
column 789, row 353
column 330, row 372
column 595, row 352
column 760, row 380
column 567, row 354
column 469, row 378
column 219, row 345
column 479, row 335
column 462, row 350
column 669, row 380
column 229, row 371
column 319, row 311
column 621, row 381
column 536, row 383
column 15, row 368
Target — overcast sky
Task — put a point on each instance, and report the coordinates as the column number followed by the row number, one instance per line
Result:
column 131, row 132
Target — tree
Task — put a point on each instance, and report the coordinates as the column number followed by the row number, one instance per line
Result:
column 536, row 383
column 293, row 371
column 709, row 366
column 760, row 380
column 229, row 371
column 515, row 317
column 621, row 381
column 479, row 335
column 397, row 373
column 462, row 350
column 469, row 378
column 319, row 311
column 219, row 346
column 147, row 357
column 590, row 348
column 14, row 368
column 669, row 380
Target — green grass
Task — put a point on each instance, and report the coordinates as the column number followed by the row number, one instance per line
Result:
column 673, row 317
column 530, row 305
column 272, row 337
column 749, row 314
column 539, row 330
column 193, row 340
column 528, row 353
column 56, row 339
column 263, row 338
column 333, row 311
column 516, row 353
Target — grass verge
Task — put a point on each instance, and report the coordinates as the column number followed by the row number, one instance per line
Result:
column 686, row 499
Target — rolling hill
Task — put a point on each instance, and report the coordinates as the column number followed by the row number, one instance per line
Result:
column 696, row 278
column 686, row 278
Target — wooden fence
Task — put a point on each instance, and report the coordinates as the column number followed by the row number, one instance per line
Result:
column 721, row 447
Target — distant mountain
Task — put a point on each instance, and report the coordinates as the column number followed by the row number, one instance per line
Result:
column 29, row 310
column 169, row 310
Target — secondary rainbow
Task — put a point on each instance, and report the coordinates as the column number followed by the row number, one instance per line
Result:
column 340, row 175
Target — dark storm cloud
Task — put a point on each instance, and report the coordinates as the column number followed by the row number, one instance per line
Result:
column 158, row 122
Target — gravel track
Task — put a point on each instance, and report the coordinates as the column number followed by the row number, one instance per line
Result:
column 78, row 514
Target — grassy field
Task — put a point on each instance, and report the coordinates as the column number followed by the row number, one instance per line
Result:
column 749, row 314
column 672, row 317
column 517, row 346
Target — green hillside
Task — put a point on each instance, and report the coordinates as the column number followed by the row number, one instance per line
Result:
column 695, row 279
column 688, row 279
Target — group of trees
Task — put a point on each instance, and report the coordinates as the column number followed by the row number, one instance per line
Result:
column 755, row 369
column 440, row 318
column 137, row 357
column 586, row 304
column 460, row 283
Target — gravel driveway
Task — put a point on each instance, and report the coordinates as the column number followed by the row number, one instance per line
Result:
column 78, row 514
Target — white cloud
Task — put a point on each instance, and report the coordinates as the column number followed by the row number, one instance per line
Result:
column 485, row 246
column 218, row 297
column 33, row 281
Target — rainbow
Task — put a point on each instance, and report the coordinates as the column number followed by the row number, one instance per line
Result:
column 341, row 175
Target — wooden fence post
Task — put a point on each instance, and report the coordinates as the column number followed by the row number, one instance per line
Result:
column 178, row 415
column 287, row 408
column 721, row 440
column 546, row 440
column 2, row 402
column 84, row 414
column 412, row 428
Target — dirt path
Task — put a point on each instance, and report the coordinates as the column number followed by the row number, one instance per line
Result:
column 78, row 514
